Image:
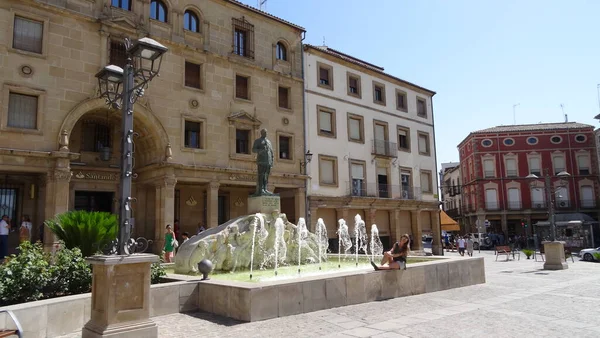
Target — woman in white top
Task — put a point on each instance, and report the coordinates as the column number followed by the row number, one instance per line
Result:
column 25, row 230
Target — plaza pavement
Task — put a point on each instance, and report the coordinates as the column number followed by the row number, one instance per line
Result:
column 519, row 299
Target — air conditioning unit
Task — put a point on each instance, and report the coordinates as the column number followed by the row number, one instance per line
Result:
column 563, row 204
column 539, row 206
column 405, row 194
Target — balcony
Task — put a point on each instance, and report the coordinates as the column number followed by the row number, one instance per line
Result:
column 515, row 205
column 511, row 173
column 489, row 174
column 492, row 206
column 382, row 191
column 588, row 204
column 384, row 148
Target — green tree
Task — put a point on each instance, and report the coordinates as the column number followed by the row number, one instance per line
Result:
column 88, row 231
column 23, row 278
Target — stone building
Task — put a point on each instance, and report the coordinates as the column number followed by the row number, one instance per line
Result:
column 450, row 192
column 372, row 139
column 230, row 71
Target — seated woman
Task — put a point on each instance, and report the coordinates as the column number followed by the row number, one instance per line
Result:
column 395, row 257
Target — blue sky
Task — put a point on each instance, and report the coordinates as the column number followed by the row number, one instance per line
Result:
column 481, row 57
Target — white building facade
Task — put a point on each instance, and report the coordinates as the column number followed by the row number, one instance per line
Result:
column 372, row 140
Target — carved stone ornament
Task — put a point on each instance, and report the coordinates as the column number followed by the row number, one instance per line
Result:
column 64, row 141
column 168, row 152
column 239, row 203
column 191, row 201
column 62, row 175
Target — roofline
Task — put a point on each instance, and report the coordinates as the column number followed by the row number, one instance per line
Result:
column 263, row 13
column 308, row 46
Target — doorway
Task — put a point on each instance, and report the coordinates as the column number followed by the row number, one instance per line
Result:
column 382, row 183
column 94, row 201
column 223, row 213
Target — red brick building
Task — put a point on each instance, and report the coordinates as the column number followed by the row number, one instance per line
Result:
column 494, row 163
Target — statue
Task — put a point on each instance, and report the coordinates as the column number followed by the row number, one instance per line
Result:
column 264, row 161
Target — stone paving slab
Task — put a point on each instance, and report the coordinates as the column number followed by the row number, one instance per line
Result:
column 518, row 300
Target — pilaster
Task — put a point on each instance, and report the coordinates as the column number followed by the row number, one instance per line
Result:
column 436, row 247
column 57, row 201
column 212, row 205
column 164, row 210
column 416, row 229
column 300, row 203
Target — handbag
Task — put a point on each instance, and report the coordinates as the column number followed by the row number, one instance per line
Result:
column 175, row 243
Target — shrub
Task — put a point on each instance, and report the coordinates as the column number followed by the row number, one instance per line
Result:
column 157, row 271
column 528, row 252
column 596, row 256
column 88, row 231
column 24, row 277
column 69, row 274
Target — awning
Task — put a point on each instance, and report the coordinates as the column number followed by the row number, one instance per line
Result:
column 447, row 223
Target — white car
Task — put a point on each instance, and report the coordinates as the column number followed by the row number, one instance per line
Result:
column 588, row 254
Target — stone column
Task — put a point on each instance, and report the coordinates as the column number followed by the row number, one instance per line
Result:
column 57, row 201
column 212, row 205
column 312, row 217
column 341, row 213
column 395, row 225
column 436, row 247
column 163, row 208
column 504, row 224
column 300, row 204
column 369, row 218
column 415, row 227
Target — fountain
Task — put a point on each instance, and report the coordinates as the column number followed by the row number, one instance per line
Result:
column 343, row 240
column 302, row 235
column 260, row 220
column 376, row 245
column 360, row 234
column 322, row 240
column 280, row 247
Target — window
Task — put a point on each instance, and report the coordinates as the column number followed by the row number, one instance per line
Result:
column 421, row 107
column 281, row 52
column 556, row 139
column 534, row 166
column 353, row 85
column 285, row 146
column 242, row 141
column 583, row 164
column 488, row 168
column 357, row 174
column 326, row 122
column 538, row 198
column 424, row 144
column 94, row 136
column 514, row 199
column 325, row 76
column 381, row 146
column 22, row 111
column 511, row 167
column 532, row 140
column 284, row 97
column 118, row 53
column 580, row 138
column 509, row 142
column 487, row 143
column 403, row 139
column 562, row 197
column 401, row 103
column 378, row 93
column 192, row 75
column 122, row 4
column 405, row 184
column 158, row 10
column 241, row 87
column 28, row 35
column 426, row 186
column 559, row 164
column 193, row 138
column 491, row 199
column 356, row 128
column 191, row 21
column 328, row 170
column 587, row 196
column 243, row 38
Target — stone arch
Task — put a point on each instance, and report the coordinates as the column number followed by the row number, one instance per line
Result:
column 157, row 143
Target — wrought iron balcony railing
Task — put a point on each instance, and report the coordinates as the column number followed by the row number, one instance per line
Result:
column 384, row 148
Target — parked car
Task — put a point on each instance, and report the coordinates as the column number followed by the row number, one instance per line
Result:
column 481, row 239
column 588, row 254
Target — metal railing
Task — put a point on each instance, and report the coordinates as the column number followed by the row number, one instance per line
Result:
column 515, row 205
column 384, row 148
column 492, row 205
column 588, row 203
column 489, row 174
column 383, row 191
column 511, row 173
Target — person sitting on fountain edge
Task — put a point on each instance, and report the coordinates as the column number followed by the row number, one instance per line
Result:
column 395, row 257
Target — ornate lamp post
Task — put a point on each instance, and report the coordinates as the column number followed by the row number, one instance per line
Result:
column 554, row 250
column 121, row 282
column 303, row 164
column 122, row 88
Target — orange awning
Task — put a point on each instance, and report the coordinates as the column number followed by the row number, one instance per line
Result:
column 447, row 223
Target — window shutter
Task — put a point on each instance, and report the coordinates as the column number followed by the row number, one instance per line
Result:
column 425, row 182
column 192, row 75
column 357, row 172
column 327, row 171
column 422, row 143
column 559, row 163
column 22, row 111
column 534, row 164
column 511, row 164
column 514, row 195
column 488, row 165
column 583, row 162
column 241, row 87
column 283, row 97
column 325, row 121
column 354, row 129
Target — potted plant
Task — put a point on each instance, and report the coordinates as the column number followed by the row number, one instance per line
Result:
column 528, row 252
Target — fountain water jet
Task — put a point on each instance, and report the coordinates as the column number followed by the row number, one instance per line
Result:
column 262, row 236
column 322, row 239
column 360, row 233
column 343, row 240
column 302, row 234
column 279, row 241
column 376, row 245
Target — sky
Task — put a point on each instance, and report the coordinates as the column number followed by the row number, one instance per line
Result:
column 481, row 57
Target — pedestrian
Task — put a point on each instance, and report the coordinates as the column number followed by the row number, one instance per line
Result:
column 185, row 237
column 395, row 258
column 176, row 229
column 170, row 244
column 461, row 246
column 470, row 245
column 25, row 230
column 4, row 230
column 200, row 228
column 447, row 242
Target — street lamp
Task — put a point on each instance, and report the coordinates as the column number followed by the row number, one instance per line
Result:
column 307, row 158
column 554, row 250
column 121, row 87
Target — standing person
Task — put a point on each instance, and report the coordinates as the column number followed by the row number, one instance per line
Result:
column 4, row 230
column 470, row 245
column 461, row 246
column 396, row 257
column 447, row 242
column 201, row 228
column 185, row 237
column 25, row 231
column 176, row 229
column 169, row 244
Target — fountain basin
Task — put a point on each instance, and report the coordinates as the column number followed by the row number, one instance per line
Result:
column 248, row 301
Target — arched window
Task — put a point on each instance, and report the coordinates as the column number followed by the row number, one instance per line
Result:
column 191, row 22
column 281, row 52
column 158, row 10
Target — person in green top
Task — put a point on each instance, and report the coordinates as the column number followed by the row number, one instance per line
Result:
column 169, row 244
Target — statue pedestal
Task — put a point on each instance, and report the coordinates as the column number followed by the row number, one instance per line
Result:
column 264, row 204
column 121, row 297
column 555, row 256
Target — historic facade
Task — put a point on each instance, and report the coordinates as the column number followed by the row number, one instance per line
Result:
column 230, row 71
column 450, row 192
column 495, row 163
column 372, row 139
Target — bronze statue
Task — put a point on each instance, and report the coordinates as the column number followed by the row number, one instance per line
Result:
column 264, row 160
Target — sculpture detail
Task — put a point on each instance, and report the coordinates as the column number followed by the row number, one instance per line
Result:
column 264, row 161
